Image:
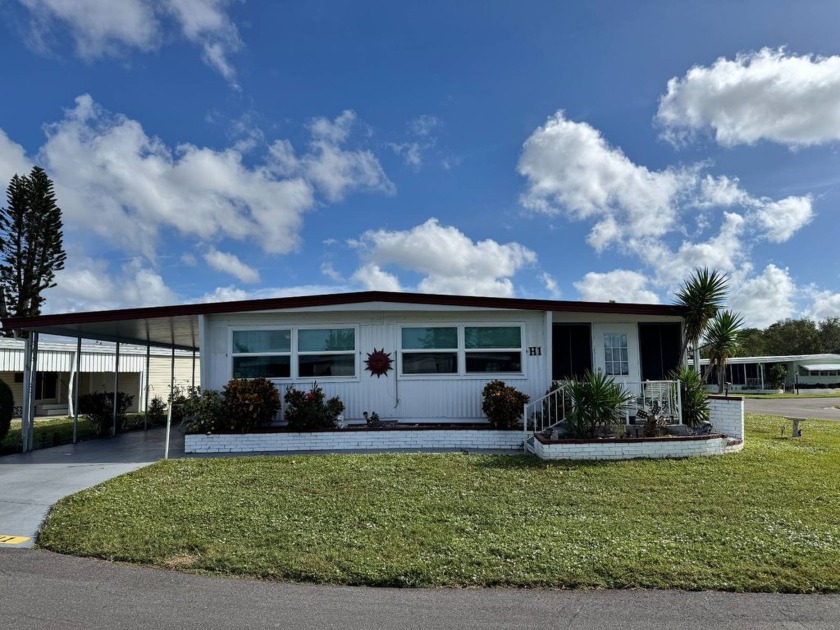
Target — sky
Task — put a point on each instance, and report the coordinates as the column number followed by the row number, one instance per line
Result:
column 210, row 150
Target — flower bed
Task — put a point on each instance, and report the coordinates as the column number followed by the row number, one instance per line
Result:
column 635, row 448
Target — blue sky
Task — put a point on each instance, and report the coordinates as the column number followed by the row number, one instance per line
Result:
column 223, row 149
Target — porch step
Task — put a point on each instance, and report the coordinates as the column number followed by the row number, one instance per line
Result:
column 51, row 410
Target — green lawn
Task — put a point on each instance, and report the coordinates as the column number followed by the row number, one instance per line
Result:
column 809, row 394
column 766, row 519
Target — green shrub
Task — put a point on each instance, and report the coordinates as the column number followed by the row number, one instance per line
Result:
column 98, row 409
column 597, row 405
column 249, row 403
column 178, row 399
column 693, row 396
column 156, row 413
column 503, row 405
column 310, row 411
column 7, row 409
column 204, row 411
column 777, row 375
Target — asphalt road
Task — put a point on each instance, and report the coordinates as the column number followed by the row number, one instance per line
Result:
column 806, row 408
column 44, row 591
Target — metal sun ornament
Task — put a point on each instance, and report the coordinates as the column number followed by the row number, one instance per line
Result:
column 378, row 362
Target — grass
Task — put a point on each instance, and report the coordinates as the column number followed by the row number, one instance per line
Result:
column 766, row 519
column 58, row 431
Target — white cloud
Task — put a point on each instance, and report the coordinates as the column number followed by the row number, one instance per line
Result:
column 448, row 260
column 410, row 152
column 328, row 270
column 101, row 28
column 551, row 286
column 620, row 285
column 763, row 299
column 230, row 263
column 334, row 170
column 766, row 95
column 824, row 304
column 372, row 278
column 423, row 125
column 12, row 159
column 780, row 220
column 233, row 294
column 88, row 284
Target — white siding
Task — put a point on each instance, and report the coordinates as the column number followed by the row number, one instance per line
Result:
column 392, row 396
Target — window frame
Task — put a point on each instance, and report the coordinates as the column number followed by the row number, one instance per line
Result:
column 455, row 351
column 294, row 353
column 623, row 360
column 461, row 368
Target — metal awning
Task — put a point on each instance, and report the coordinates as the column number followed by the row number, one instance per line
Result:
column 814, row 367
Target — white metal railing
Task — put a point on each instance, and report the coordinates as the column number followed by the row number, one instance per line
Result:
column 543, row 413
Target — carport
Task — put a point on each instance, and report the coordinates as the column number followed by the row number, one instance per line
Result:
column 172, row 327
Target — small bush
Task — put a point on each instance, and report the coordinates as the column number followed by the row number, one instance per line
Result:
column 503, row 405
column 777, row 375
column 204, row 411
column 693, row 396
column 249, row 403
column 7, row 409
column 178, row 399
column 310, row 411
column 98, row 409
column 597, row 405
column 156, row 413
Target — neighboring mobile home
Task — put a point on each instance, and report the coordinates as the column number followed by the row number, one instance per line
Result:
column 57, row 367
column 805, row 371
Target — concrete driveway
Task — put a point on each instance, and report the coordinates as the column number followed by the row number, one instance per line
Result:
column 31, row 483
column 804, row 408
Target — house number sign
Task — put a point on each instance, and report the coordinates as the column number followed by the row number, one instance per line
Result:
column 535, row 351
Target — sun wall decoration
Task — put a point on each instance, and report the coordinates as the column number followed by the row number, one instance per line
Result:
column 378, row 362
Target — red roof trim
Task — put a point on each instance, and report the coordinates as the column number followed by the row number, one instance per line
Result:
column 337, row 299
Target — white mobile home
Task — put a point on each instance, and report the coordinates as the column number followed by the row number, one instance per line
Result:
column 805, row 371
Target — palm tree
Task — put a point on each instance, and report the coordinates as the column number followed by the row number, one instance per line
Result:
column 701, row 296
column 722, row 342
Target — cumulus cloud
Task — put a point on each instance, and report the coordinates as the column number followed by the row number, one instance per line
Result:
column 449, row 261
column 824, row 304
column 127, row 186
column 780, row 220
column 230, row 263
column 12, row 158
column 89, row 284
column 763, row 299
column 234, row 294
column 421, row 139
column 101, row 28
column 769, row 95
column 372, row 278
column 620, row 285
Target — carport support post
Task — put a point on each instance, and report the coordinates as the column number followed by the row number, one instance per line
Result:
column 171, row 404
column 116, row 390
column 27, row 393
column 193, row 369
column 76, row 385
column 33, row 388
column 146, row 392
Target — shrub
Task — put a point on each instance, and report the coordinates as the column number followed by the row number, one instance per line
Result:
column 7, row 409
column 178, row 399
column 777, row 375
column 597, row 404
column 310, row 411
column 156, row 413
column 98, row 409
column 204, row 411
column 249, row 403
column 693, row 396
column 503, row 405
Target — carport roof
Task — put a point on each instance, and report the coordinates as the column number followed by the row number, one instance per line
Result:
column 177, row 326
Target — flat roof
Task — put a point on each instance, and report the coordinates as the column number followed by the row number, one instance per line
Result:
column 177, row 325
column 790, row 358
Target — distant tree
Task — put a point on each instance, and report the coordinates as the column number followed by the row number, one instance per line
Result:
column 829, row 330
column 722, row 341
column 31, row 243
column 701, row 296
column 792, row 336
column 777, row 375
column 751, row 343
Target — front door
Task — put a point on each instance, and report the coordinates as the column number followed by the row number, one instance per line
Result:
column 615, row 348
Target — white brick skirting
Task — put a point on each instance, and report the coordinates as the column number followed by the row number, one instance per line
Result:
column 726, row 414
column 392, row 439
column 637, row 449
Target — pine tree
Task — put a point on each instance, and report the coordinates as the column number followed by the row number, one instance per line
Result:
column 31, row 242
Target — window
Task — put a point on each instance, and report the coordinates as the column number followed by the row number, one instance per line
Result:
column 485, row 349
column 432, row 350
column 265, row 353
column 326, row 352
column 493, row 349
column 616, row 362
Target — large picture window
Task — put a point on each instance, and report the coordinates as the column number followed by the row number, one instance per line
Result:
column 439, row 349
column 431, row 350
column 265, row 353
column 326, row 352
column 616, row 361
column 493, row 349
